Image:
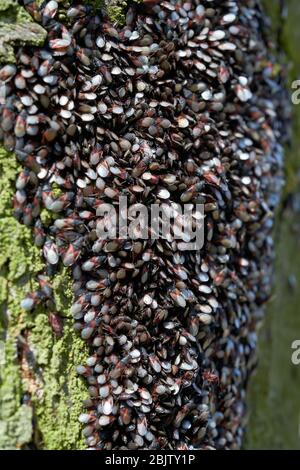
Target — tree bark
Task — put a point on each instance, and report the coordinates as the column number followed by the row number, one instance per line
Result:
column 40, row 393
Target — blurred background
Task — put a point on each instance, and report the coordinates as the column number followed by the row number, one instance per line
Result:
column 274, row 392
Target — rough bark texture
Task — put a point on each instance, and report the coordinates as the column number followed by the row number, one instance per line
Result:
column 16, row 28
column 40, row 394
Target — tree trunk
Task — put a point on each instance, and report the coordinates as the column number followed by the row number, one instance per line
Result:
column 40, row 393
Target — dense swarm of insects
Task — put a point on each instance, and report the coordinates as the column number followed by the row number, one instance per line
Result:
column 182, row 104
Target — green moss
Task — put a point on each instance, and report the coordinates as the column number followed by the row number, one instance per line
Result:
column 116, row 10
column 57, row 191
column 15, row 274
column 46, row 217
column 17, row 28
column 96, row 4
column 59, row 400
column 116, row 14
column 41, row 386
column 48, row 377
column 18, row 34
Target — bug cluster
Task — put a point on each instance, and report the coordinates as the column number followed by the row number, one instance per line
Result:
column 181, row 104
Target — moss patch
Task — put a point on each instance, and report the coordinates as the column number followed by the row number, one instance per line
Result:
column 116, row 10
column 17, row 28
column 38, row 382
column 15, row 274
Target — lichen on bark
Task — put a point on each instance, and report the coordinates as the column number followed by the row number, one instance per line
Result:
column 38, row 381
column 17, row 29
column 39, row 401
column 116, row 9
column 40, row 393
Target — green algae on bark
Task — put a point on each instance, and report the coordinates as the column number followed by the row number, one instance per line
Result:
column 38, row 383
column 20, row 34
column 17, row 29
column 63, row 390
column 115, row 9
column 51, row 394
column 15, row 272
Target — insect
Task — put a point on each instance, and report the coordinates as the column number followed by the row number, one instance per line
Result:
column 210, row 377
